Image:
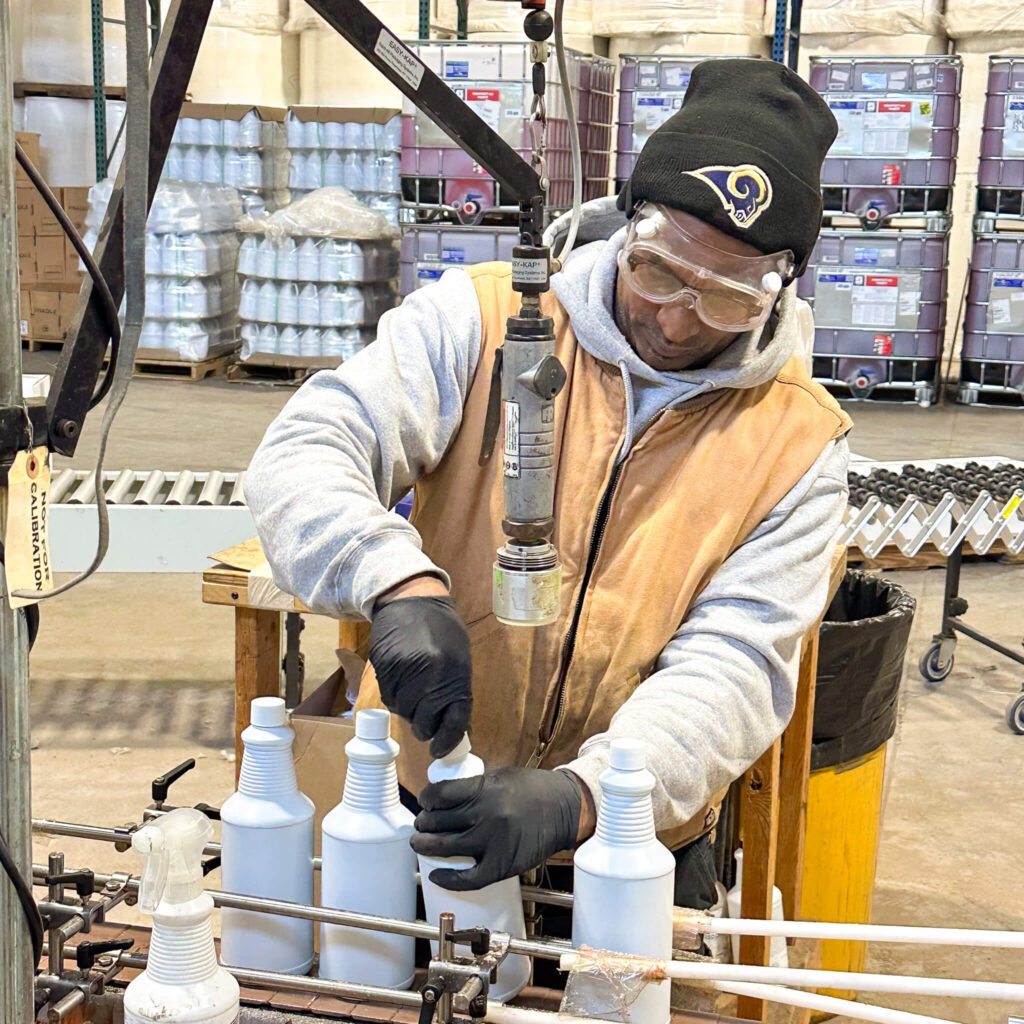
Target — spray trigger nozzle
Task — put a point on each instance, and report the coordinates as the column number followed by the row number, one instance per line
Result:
column 173, row 847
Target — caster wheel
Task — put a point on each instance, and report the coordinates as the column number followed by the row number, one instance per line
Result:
column 1015, row 714
column 932, row 668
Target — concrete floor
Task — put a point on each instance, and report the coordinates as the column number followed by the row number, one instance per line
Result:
column 131, row 674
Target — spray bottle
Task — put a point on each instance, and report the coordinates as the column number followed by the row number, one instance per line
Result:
column 625, row 878
column 368, row 864
column 182, row 983
column 498, row 907
column 267, row 849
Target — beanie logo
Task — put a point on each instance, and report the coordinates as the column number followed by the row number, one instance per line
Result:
column 745, row 190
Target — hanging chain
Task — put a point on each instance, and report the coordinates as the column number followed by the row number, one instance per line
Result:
column 539, row 113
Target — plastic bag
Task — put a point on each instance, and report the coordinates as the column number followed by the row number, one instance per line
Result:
column 860, row 664
column 326, row 213
column 603, row 984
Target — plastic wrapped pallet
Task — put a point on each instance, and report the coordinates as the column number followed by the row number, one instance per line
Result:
column 252, row 15
column 488, row 16
column 235, row 144
column 316, row 277
column 67, row 139
column 654, row 17
column 864, row 17
column 999, row 22
column 333, row 73
column 52, row 42
column 401, row 16
column 698, row 43
column 238, row 65
column 356, row 148
column 191, row 261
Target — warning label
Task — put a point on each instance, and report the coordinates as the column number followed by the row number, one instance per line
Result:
column 879, row 126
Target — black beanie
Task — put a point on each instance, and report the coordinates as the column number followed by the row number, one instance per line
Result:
column 743, row 153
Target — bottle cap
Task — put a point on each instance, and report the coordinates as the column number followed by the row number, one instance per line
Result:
column 268, row 712
column 461, row 750
column 373, row 724
column 627, row 755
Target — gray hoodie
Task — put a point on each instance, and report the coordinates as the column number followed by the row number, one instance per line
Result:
column 352, row 441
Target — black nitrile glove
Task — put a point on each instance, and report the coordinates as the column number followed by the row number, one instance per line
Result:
column 419, row 649
column 509, row 820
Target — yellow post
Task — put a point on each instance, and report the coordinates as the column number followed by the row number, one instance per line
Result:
column 844, row 805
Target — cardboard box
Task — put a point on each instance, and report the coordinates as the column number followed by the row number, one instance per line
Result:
column 45, row 327
column 51, row 258
column 24, row 311
column 27, row 261
column 25, row 213
column 44, row 222
column 349, row 115
column 68, row 308
column 72, row 273
column 76, row 205
column 29, row 142
column 320, row 738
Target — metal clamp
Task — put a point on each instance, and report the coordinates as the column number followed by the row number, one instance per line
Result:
column 461, row 983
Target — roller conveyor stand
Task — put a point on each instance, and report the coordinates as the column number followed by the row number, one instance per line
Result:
column 972, row 484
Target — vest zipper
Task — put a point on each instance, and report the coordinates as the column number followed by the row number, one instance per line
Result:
column 569, row 643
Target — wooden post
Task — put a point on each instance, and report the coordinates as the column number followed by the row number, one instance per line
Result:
column 759, row 825
column 794, row 775
column 257, row 665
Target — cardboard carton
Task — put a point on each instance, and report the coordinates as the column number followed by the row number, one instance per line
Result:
column 45, row 327
column 27, row 261
column 345, row 115
column 72, row 273
column 320, row 738
column 51, row 258
column 68, row 308
column 29, row 142
column 24, row 312
column 25, row 213
column 76, row 205
column 45, row 223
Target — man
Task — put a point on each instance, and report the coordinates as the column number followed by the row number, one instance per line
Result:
column 701, row 479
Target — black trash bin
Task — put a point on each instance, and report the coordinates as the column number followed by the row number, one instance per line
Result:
column 861, row 647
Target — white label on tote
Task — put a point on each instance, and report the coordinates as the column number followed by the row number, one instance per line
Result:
column 1013, row 128
column 882, row 127
column 486, row 103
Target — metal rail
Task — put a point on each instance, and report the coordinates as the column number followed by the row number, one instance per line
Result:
column 548, row 949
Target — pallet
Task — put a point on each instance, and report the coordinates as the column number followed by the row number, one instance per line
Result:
column 929, row 557
column 41, row 344
column 180, row 369
column 286, row 371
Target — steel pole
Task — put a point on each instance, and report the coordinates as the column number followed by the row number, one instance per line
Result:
column 16, row 1000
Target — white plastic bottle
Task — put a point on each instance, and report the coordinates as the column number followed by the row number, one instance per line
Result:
column 625, row 878
column 734, row 902
column 183, row 981
column 267, row 849
column 498, row 907
column 368, row 864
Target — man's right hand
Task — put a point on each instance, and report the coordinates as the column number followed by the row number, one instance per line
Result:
column 419, row 649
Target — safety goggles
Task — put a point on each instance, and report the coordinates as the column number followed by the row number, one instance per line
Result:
column 664, row 262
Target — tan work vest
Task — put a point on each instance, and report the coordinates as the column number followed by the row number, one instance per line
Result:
column 694, row 485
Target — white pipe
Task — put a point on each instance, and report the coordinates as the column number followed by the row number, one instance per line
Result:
column 827, row 1004
column 700, row 921
column 803, row 978
column 498, row 1013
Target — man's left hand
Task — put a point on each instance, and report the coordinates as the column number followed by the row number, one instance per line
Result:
column 509, row 820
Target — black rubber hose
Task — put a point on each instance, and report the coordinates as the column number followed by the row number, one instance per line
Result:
column 28, row 904
column 99, row 283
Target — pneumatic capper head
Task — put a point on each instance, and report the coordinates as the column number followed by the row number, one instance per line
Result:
column 527, row 572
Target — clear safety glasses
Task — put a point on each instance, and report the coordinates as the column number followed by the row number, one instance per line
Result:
column 664, row 262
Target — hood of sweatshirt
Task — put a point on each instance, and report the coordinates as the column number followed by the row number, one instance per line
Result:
column 586, row 288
